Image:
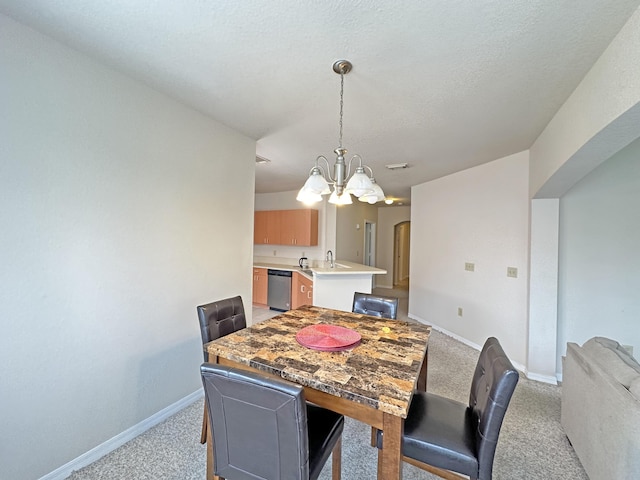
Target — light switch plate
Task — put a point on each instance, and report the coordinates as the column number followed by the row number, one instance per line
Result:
column 512, row 272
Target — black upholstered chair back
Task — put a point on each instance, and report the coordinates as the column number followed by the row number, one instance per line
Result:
column 375, row 305
column 221, row 318
column 493, row 384
column 259, row 425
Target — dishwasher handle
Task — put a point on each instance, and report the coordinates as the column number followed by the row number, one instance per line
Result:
column 280, row 273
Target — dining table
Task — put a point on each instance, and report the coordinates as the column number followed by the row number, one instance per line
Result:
column 371, row 380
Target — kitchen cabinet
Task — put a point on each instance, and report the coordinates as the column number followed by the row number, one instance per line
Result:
column 299, row 227
column 266, row 227
column 260, row 286
column 301, row 291
column 286, row 227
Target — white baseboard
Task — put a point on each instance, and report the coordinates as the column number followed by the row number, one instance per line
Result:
column 530, row 375
column 552, row 379
column 447, row 333
column 110, row 445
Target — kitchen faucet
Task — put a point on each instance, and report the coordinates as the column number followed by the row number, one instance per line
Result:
column 330, row 258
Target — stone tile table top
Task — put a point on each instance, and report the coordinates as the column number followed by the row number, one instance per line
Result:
column 380, row 372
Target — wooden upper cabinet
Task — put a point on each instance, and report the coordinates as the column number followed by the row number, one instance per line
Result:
column 299, row 227
column 286, row 227
column 266, row 227
column 259, row 227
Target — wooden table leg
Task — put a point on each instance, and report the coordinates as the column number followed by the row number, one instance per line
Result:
column 374, row 437
column 205, row 419
column 390, row 457
column 210, row 475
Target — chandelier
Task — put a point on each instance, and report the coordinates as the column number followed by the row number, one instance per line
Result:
column 344, row 184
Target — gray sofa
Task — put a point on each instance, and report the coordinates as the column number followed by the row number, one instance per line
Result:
column 600, row 410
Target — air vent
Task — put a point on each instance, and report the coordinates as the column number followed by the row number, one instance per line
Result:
column 396, row 166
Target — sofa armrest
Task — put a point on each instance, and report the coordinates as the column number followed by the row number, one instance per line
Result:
column 600, row 417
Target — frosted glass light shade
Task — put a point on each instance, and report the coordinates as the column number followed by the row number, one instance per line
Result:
column 344, row 199
column 359, row 184
column 316, row 183
column 376, row 196
column 308, row 197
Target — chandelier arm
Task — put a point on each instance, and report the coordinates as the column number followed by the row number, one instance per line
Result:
column 325, row 171
column 370, row 170
column 349, row 164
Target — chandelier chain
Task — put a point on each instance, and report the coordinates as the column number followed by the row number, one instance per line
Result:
column 341, row 104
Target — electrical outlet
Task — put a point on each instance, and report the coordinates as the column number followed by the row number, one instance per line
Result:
column 459, row 311
column 470, row 267
column 512, row 272
column 274, row 253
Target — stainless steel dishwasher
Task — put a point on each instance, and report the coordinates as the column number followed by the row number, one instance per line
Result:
column 279, row 290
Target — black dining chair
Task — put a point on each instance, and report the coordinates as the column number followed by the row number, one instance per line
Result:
column 375, row 305
column 218, row 319
column 444, row 436
column 263, row 428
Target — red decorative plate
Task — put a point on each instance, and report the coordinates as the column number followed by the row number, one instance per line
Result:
column 328, row 338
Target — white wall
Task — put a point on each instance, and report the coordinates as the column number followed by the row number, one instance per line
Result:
column 350, row 231
column 388, row 218
column 480, row 215
column 599, row 256
column 285, row 254
column 115, row 222
column 543, row 289
column 599, row 118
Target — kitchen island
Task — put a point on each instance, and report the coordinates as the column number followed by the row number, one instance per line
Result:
column 333, row 287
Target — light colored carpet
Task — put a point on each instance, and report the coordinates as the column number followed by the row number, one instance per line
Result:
column 532, row 444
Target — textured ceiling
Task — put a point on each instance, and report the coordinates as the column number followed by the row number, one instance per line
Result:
column 441, row 85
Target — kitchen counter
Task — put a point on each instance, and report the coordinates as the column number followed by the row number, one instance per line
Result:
column 341, row 268
column 289, row 268
column 333, row 287
column 347, row 268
